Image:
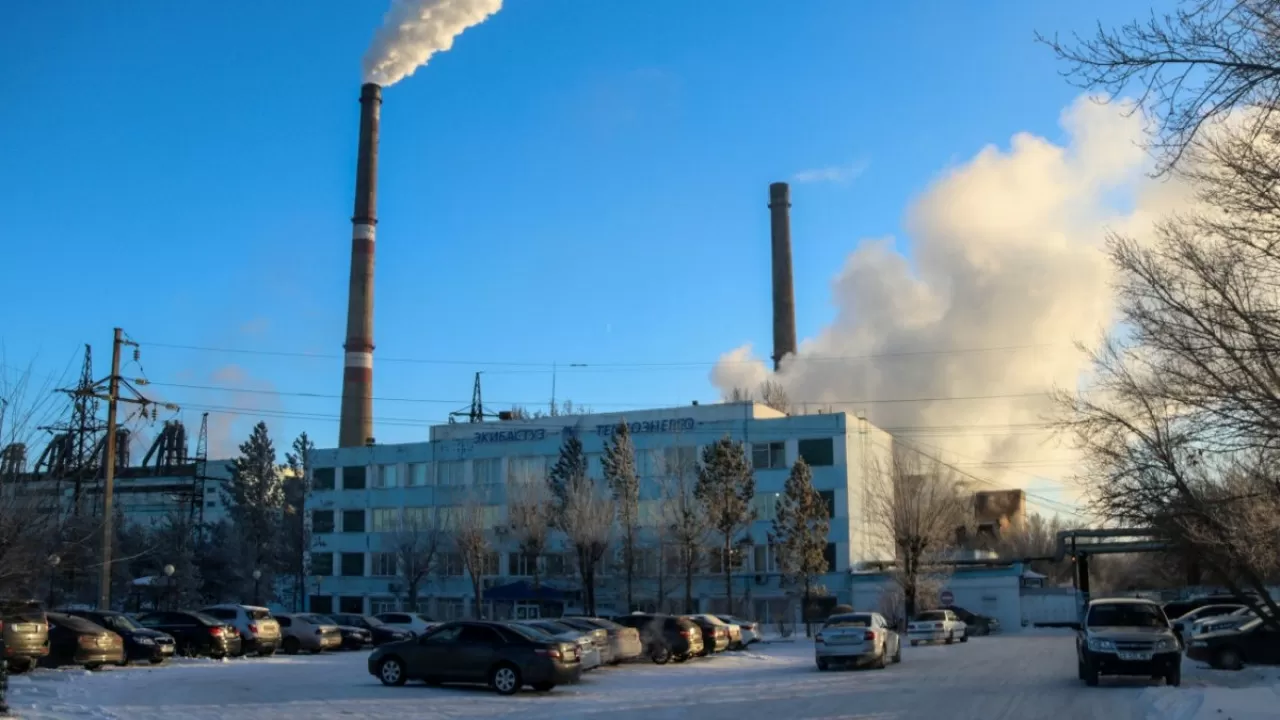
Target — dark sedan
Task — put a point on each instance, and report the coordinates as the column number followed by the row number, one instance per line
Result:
column 665, row 637
column 715, row 634
column 353, row 638
column 139, row 643
column 76, row 641
column 195, row 634
column 1253, row 643
column 380, row 632
column 504, row 656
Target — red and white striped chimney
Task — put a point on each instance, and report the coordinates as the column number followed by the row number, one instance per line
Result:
column 356, row 425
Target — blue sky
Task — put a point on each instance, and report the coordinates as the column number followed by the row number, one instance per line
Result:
column 575, row 182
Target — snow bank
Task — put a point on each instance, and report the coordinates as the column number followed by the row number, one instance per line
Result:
column 1252, row 694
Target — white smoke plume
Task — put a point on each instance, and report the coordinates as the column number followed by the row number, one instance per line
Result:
column 414, row 30
column 1005, row 273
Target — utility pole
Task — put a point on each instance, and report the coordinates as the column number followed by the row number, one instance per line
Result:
column 113, row 398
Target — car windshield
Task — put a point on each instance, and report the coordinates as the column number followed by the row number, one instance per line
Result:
column 606, row 624
column 424, row 618
column 372, row 621
column 1126, row 615
column 555, row 627
column 935, row 616
column 206, row 619
column 260, row 614
column 713, row 619
column 849, row 621
column 124, row 622
column 316, row 619
column 529, row 633
column 325, row 620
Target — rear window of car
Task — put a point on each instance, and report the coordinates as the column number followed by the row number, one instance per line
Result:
column 529, row 633
column 606, row 624
column 849, row 621
column 71, row 622
column 1126, row 615
column 206, row 619
column 260, row 614
column 932, row 615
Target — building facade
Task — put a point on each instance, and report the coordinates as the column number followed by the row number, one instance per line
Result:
column 361, row 496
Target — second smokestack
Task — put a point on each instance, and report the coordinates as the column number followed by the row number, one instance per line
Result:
column 356, row 425
column 784, row 297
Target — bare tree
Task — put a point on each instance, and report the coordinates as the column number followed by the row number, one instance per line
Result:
column 471, row 529
column 583, row 511
column 771, row 393
column 683, row 517
column 726, row 486
column 919, row 503
column 529, row 512
column 417, row 543
column 296, row 519
column 1190, row 67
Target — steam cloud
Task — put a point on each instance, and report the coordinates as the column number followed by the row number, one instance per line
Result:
column 1006, row 252
column 414, row 30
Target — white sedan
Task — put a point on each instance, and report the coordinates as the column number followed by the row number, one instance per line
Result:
column 1183, row 625
column 416, row 624
column 937, row 626
column 856, row 639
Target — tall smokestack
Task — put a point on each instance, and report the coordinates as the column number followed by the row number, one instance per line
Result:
column 784, row 296
column 356, row 428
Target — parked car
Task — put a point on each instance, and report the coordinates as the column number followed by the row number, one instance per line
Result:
column 140, row 643
column 76, row 641
column 259, row 632
column 1127, row 636
column 857, row 639
column 24, row 629
column 1178, row 608
column 1253, row 642
column 665, row 637
column 353, row 637
column 734, row 630
column 308, row 631
column 413, row 623
column 195, row 634
column 1218, row 623
column 588, row 651
column 381, row 632
column 506, row 656
column 599, row 637
column 749, row 631
column 624, row 642
column 975, row 624
column 935, row 626
column 715, row 634
column 1183, row 625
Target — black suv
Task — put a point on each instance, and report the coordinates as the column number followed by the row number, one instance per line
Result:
column 665, row 637
column 1127, row 636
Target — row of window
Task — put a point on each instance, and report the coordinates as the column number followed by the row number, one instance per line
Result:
column 445, row 517
column 818, row 452
column 760, row 558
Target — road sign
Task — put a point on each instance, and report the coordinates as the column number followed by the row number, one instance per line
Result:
column 946, row 597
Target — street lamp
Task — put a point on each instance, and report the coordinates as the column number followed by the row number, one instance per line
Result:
column 168, row 584
column 53, row 561
column 257, row 575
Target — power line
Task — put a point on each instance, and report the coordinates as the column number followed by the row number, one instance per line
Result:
column 534, row 403
column 587, row 366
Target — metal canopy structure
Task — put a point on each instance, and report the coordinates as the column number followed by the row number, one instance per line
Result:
column 1079, row 545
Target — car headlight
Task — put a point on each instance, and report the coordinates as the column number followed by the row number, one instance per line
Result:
column 146, row 641
column 1097, row 645
column 1164, row 645
column 1199, row 643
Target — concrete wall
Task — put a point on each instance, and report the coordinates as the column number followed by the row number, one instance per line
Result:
column 991, row 592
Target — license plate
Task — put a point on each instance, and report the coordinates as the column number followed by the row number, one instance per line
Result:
column 166, row 649
column 1135, row 656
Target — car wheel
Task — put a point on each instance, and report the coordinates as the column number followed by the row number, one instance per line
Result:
column 93, row 666
column 822, row 664
column 964, row 637
column 880, row 662
column 1079, row 669
column 505, row 679
column 950, row 637
column 1228, row 659
column 1174, row 677
column 391, row 671
column 897, row 653
column 659, row 654
column 291, row 646
column 21, row 665
column 1090, row 675
column 915, row 643
column 156, row 661
column 543, row 686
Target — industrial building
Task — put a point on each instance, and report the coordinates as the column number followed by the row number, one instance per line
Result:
column 360, row 496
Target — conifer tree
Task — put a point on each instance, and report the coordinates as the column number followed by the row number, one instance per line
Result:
column 800, row 529
column 726, row 486
column 619, row 463
column 255, row 497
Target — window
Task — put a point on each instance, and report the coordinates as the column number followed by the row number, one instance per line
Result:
column 716, row 560
column 322, row 479
column 521, row 564
column 351, row 604
column 527, row 468
column 385, row 477
column 451, row 565
column 676, row 459
column 352, row 521
column 829, row 497
column 451, row 472
column 320, row 604
column 321, row 521
column 383, row 520
column 353, row 564
column 649, row 513
column 829, row 552
column 818, row 452
column 377, row 606
column 384, row 565
column 423, row 518
column 766, row 558
column 487, row 471
column 768, row 456
column 479, row 635
column 766, row 506
column 353, row 478
column 322, row 564
column 417, row 475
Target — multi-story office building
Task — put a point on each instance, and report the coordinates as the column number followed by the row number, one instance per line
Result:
column 361, row 496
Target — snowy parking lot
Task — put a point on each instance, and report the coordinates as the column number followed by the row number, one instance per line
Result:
column 1019, row 677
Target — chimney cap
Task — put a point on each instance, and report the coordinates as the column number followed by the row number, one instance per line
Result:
column 371, row 90
column 779, row 189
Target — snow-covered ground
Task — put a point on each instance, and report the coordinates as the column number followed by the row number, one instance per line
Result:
column 1018, row 677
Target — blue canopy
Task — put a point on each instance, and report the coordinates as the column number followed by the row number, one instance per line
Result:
column 522, row 590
